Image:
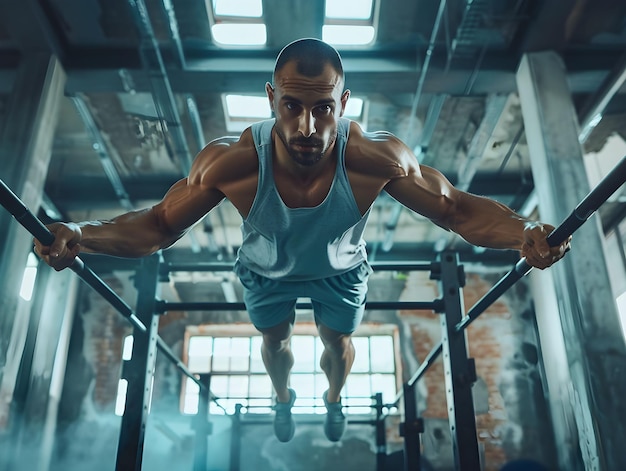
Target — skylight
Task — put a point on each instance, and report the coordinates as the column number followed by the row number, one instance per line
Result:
column 349, row 22
column 238, row 23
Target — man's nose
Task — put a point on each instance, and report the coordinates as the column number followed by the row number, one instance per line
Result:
column 307, row 124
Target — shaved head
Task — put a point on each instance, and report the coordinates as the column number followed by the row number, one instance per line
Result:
column 311, row 56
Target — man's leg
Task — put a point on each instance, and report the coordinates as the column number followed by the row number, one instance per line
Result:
column 277, row 356
column 336, row 360
column 278, row 360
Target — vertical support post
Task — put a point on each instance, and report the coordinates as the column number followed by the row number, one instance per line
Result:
column 381, row 434
column 235, row 440
column 586, row 354
column 410, row 430
column 139, row 370
column 459, row 370
column 202, row 425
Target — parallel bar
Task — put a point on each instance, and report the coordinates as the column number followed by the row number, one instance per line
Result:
column 164, row 306
column 32, row 224
column 585, row 209
column 26, row 218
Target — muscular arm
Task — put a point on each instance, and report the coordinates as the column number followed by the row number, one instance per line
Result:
column 480, row 221
column 142, row 232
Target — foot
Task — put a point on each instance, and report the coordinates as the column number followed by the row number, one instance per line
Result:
column 284, row 426
column 335, row 423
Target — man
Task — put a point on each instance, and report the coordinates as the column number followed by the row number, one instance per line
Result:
column 304, row 184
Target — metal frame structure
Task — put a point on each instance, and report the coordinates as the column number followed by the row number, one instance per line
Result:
column 459, row 369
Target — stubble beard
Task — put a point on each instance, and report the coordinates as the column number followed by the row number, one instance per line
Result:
column 305, row 159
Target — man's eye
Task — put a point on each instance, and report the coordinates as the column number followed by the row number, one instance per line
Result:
column 325, row 109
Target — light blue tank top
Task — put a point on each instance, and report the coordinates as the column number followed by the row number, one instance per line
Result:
column 302, row 243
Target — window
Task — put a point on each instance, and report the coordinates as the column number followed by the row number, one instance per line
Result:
column 237, row 23
column 243, row 110
column 621, row 310
column 350, row 22
column 238, row 375
column 29, row 277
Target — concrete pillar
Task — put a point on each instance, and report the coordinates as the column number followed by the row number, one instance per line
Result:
column 25, row 148
column 43, row 373
column 588, row 408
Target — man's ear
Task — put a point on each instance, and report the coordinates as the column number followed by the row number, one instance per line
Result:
column 344, row 100
column 269, row 90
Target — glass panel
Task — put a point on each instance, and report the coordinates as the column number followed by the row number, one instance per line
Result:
column 239, row 34
column 260, row 386
column 385, row 384
column 319, row 349
column 221, row 354
column 303, row 348
column 303, row 384
column 240, row 354
column 190, row 404
column 249, row 8
column 256, row 361
column 354, row 108
column 120, row 402
column 191, row 387
column 353, row 9
column 200, row 348
column 358, row 385
column 127, row 349
column 321, row 385
column 348, row 34
column 219, row 385
column 238, row 386
column 245, row 106
column 361, row 355
column 382, row 356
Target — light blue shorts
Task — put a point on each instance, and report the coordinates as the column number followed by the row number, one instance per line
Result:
column 338, row 301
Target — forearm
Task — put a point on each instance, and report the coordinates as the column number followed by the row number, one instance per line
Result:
column 134, row 234
column 487, row 223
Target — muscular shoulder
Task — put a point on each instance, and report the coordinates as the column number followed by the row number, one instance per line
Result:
column 225, row 160
column 378, row 153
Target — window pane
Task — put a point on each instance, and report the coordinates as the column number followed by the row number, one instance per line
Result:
column 348, row 34
column 361, row 355
column 385, row 384
column 354, row 108
column 303, row 384
column 239, row 34
column 256, row 361
column 260, row 386
column 245, row 106
column 190, row 405
column 200, row 348
column 247, row 8
column 319, row 349
column 357, row 9
column 358, row 385
column 219, row 385
column 321, row 385
column 238, row 386
column 240, row 354
column 303, row 348
column 382, row 354
column 221, row 354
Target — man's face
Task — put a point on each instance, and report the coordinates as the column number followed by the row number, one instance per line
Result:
column 306, row 110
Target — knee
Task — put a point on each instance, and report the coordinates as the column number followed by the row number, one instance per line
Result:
column 337, row 343
column 277, row 338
